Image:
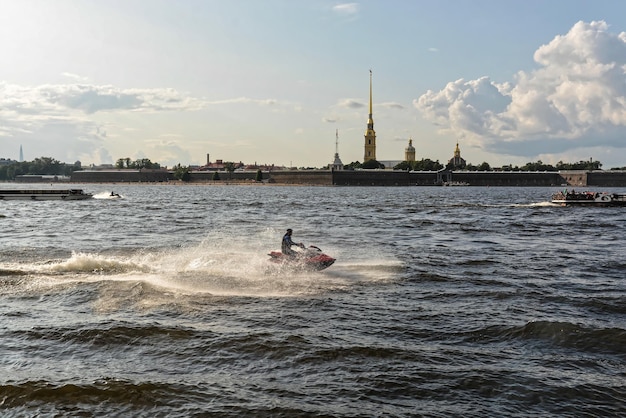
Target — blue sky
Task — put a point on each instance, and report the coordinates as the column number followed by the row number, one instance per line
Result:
column 270, row 81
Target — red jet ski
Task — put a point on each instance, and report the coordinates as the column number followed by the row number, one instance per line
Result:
column 311, row 258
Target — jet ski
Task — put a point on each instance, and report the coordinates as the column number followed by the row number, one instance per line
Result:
column 311, row 258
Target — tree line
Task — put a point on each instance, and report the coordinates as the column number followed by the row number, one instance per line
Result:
column 137, row 164
column 39, row 166
column 426, row 164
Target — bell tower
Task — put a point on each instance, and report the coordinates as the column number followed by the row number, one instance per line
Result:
column 370, row 134
column 409, row 152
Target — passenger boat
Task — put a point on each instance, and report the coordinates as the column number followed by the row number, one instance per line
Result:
column 570, row 198
column 26, row 194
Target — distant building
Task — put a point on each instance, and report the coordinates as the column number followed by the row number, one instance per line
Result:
column 219, row 165
column 409, row 152
column 336, row 164
column 6, row 161
column 456, row 161
column 370, row 134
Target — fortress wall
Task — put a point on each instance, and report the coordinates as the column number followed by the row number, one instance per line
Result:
column 120, row 176
column 614, row 178
column 575, row 178
column 225, row 176
column 371, row 178
column 425, row 178
column 508, row 178
column 314, row 177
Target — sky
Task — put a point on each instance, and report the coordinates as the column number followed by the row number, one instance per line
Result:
column 278, row 81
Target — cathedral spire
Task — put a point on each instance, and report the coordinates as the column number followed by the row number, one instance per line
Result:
column 337, row 164
column 370, row 121
column 370, row 134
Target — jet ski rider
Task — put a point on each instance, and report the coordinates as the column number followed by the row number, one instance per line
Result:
column 288, row 243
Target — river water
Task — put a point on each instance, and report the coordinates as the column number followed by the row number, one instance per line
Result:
column 444, row 301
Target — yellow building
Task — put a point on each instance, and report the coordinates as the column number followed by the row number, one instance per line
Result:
column 409, row 152
column 370, row 134
column 456, row 161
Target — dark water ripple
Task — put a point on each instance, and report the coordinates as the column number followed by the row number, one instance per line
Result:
column 443, row 302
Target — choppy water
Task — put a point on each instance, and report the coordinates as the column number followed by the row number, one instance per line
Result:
column 443, row 302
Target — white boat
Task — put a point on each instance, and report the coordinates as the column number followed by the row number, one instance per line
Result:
column 455, row 183
column 570, row 198
column 25, row 194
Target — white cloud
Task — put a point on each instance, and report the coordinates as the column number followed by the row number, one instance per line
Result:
column 59, row 119
column 576, row 99
column 351, row 104
column 392, row 105
column 58, row 99
column 75, row 77
column 247, row 100
column 346, row 8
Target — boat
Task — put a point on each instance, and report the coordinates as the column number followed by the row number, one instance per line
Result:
column 311, row 258
column 455, row 183
column 571, row 198
column 50, row 194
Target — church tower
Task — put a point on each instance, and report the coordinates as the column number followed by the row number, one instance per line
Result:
column 370, row 134
column 409, row 152
column 456, row 161
column 337, row 165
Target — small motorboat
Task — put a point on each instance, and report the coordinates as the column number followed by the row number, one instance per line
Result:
column 311, row 258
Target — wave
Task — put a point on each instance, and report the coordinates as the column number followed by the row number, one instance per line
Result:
column 106, row 333
column 558, row 334
column 107, row 196
column 98, row 398
column 201, row 269
column 94, row 263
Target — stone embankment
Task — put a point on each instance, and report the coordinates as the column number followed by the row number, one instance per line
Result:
column 368, row 177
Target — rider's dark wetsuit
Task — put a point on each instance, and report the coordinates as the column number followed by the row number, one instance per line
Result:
column 287, row 243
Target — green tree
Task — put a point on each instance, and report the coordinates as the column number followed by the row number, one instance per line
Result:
column 216, row 176
column 181, row 173
column 230, row 167
column 537, row 166
column 404, row 166
column 259, row 175
column 581, row 165
column 137, row 164
column 39, row 166
column 353, row 166
column 426, row 164
column 372, row 164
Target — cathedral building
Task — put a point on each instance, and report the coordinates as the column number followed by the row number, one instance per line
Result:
column 370, row 134
column 409, row 152
column 456, row 161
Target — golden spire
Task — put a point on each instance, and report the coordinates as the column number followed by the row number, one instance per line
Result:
column 370, row 120
column 370, row 134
